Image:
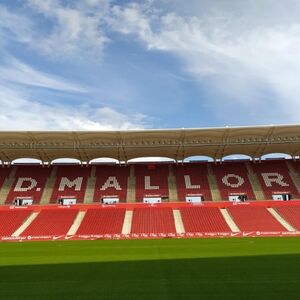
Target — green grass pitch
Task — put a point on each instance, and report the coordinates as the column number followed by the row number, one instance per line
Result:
column 237, row 268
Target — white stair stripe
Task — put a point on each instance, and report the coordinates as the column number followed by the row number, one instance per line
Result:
column 25, row 224
column 229, row 220
column 76, row 223
column 178, row 221
column 281, row 220
column 126, row 229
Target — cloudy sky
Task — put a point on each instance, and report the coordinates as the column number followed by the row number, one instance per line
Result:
column 107, row 64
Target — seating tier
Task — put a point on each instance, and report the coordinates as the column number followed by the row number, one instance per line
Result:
column 191, row 179
column 102, row 221
column 291, row 214
column 51, row 222
column 274, row 178
column 232, row 179
column 151, row 180
column 11, row 220
column 203, row 219
column 111, row 181
column 4, row 173
column 29, row 182
column 254, row 218
column 71, row 181
column 153, row 220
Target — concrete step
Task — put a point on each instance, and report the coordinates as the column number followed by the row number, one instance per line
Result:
column 229, row 220
column 7, row 184
column 22, row 228
column 131, row 188
column 173, row 195
column 178, row 221
column 214, row 189
column 48, row 190
column 126, row 229
column 77, row 221
column 281, row 220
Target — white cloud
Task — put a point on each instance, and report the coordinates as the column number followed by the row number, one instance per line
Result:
column 17, row 72
column 19, row 112
column 76, row 28
column 75, row 31
column 14, row 26
column 241, row 47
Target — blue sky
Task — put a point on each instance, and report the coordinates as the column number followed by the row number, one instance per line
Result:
column 105, row 64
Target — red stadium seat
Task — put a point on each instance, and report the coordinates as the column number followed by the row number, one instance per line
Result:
column 30, row 181
column 151, row 181
column 153, row 220
column 274, row 178
column 291, row 214
column 253, row 218
column 191, row 179
column 51, row 222
column 102, row 221
column 4, row 173
column 203, row 219
column 11, row 220
column 232, row 178
column 71, row 181
column 111, row 181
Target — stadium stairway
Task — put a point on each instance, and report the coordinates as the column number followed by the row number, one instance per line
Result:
column 76, row 223
column 90, row 187
column 278, row 168
column 4, row 173
column 291, row 214
column 7, row 184
column 233, row 227
column 49, row 187
column 215, row 192
column 126, row 228
column 131, row 186
column 11, row 220
column 256, row 187
column 294, row 175
column 173, row 195
column 23, row 227
column 280, row 219
column 178, row 221
column 254, row 219
column 51, row 222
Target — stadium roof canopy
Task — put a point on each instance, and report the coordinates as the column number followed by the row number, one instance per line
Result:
column 174, row 143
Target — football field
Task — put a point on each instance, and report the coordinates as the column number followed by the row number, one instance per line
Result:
column 236, row 268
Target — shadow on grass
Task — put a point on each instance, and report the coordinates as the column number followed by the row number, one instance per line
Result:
column 255, row 278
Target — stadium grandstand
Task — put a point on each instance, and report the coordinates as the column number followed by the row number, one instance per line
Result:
column 157, row 199
column 149, row 150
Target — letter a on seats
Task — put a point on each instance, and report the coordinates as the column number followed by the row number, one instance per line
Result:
column 111, row 182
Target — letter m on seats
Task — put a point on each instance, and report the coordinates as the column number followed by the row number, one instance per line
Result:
column 65, row 182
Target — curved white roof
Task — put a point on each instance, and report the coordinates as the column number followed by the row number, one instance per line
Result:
column 173, row 143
